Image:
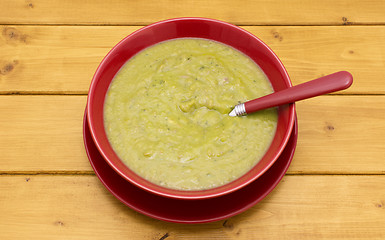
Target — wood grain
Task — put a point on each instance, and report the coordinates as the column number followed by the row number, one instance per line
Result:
column 336, row 135
column 334, row 188
column 47, row 59
column 340, row 135
column 53, row 59
column 42, row 132
column 312, row 52
column 132, row 12
column 301, row 207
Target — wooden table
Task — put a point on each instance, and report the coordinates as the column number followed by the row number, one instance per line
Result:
column 334, row 189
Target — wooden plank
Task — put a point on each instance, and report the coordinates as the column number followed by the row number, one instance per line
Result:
column 52, row 59
column 340, row 134
column 337, row 135
column 42, row 133
column 301, row 207
column 130, row 12
column 312, row 52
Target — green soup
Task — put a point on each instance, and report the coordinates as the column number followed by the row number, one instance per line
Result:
column 166, row 114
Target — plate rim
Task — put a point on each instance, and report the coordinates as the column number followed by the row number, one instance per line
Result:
column 275, row 182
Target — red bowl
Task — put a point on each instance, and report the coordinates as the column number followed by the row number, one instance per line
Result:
column 189, row 28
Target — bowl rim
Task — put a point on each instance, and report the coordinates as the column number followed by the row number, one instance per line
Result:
column 182, row 194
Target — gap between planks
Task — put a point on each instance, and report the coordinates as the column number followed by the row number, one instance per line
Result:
column 56, row 173
column 88, row 173
column 82, row 93
column 143, row 24
column 43, row 93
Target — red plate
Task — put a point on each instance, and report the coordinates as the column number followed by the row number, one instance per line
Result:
column 182, row 210
column 211, row 29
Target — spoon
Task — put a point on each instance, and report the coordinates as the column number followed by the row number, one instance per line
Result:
column 323, row 85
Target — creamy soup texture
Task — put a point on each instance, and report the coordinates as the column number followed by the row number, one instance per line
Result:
column 166, row 114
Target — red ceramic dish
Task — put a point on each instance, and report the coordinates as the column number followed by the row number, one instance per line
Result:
column 184, row 28
column 189, row 211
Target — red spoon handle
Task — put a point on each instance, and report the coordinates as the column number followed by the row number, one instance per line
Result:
column 327, row 84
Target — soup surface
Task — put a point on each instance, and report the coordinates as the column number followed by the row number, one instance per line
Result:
column 166, row 114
